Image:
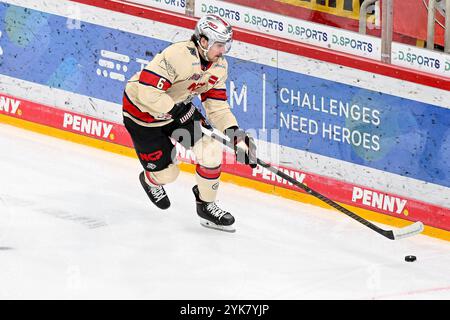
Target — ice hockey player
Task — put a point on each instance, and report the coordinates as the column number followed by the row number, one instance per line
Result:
column 157, row 106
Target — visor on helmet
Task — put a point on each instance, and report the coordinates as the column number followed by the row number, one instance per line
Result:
column 226, row 45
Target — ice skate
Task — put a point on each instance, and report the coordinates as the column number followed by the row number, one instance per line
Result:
column 211, row 216
column 157, row 194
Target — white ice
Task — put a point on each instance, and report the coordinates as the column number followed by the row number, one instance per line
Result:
column 75, row 224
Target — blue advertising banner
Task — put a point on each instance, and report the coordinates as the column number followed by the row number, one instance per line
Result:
column 364, row 127
column 332, row 119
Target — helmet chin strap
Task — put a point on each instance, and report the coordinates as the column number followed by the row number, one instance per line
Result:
column 205, row 52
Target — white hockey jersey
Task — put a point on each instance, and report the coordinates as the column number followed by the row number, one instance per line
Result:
column 176, row 75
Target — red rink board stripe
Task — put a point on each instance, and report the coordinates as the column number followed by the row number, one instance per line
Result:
column 70, row 121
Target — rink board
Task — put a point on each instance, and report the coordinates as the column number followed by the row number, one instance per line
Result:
column 79, row 70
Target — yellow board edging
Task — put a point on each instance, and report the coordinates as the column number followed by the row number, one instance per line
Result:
column 227, row 177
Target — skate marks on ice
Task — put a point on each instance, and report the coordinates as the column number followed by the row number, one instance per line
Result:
column 36, row 206
column 5, row 221
column 83, row 220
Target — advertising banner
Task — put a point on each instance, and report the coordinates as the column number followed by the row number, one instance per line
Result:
column 178, row 6
column 421, row 59
column 293, row 29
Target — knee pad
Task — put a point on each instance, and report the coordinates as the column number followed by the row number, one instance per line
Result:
column 164, row 176
column 208, row 152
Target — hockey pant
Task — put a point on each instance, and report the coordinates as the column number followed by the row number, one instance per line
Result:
column 157, row 154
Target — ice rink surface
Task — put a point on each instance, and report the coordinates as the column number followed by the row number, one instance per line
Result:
column 76, row 224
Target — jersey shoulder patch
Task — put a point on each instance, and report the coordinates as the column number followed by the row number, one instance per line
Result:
column 176, row 60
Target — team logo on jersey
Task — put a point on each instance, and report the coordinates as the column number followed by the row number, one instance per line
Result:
column 195, row 76
column 195, row 86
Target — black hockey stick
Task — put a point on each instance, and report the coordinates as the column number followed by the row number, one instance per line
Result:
column 404, row 232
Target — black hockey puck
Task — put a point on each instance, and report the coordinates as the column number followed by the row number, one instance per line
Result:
column 410, row 258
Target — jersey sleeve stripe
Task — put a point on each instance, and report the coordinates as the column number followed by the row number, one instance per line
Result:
column 130, row 108
column 149, row 78
column 216, row 94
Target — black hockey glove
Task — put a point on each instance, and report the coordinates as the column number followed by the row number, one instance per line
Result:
column 243, row 144
column 184, row 113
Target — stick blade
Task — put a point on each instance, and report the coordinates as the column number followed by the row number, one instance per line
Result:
column 408, row 231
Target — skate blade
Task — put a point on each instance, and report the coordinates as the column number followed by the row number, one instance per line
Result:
column 208, row 224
